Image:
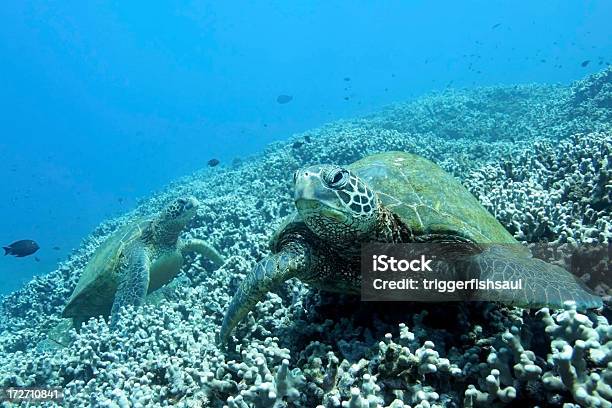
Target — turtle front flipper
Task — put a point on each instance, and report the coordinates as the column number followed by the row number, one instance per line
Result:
column 267, row 275
column 542, row 284
column 201, row 247
column 133, row 281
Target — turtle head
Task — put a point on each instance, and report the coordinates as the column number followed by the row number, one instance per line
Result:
column 175, row 217
column 335, row 203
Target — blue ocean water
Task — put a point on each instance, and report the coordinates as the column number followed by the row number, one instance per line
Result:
column 106, row 102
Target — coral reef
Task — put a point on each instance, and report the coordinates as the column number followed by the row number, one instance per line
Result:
column 590, row 100
column 539, row 158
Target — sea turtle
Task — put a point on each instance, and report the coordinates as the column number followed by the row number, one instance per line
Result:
column 393, row 197
column 137, row 259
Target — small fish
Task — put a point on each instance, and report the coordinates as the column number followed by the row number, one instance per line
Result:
column 213, row 162
column 265, row 125
column 347, row 79
column 585, row 63
column 346, row 98
column 495, row 26
column 283, row 99
column 21, row 248
column 37, row 259
column 307, row 139
column 56, row 248
column 297, row 145
column 120, row 199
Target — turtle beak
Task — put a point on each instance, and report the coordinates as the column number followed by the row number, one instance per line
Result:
column 306, row 205
column 304, row 194
column 304, row 186
column 191, row 203
column 308, row 186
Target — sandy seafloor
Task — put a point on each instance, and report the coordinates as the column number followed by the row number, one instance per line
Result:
column 538, row 157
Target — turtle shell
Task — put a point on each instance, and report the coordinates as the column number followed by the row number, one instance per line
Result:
column 428, row 199
column 95, row 292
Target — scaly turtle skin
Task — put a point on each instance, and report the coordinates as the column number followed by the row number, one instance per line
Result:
column 394, row 197
column 137, row 259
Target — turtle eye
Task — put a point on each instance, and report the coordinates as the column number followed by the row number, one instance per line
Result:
column 337, row 178
column 295, row 174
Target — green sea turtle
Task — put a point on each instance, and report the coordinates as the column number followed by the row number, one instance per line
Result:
column 393, row 197
column 137, row 259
